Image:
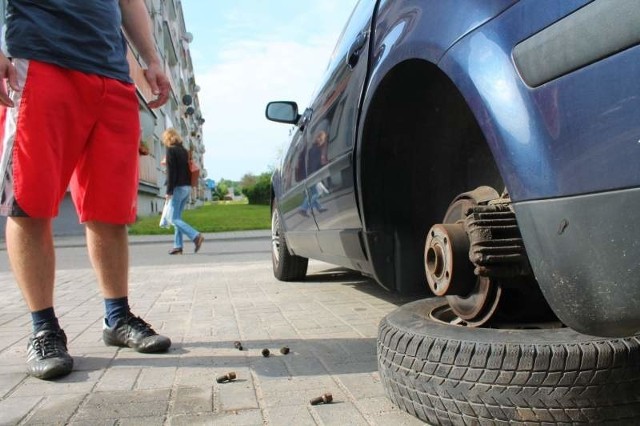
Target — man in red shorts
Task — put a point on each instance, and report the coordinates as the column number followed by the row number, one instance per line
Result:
column 69, row 117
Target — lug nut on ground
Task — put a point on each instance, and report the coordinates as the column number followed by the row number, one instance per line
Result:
column 324, row 399
column 284, row 350
column 227, row 377
column 237, row 345
column 265, row 352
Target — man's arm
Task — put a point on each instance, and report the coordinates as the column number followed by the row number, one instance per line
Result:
column 135, row 20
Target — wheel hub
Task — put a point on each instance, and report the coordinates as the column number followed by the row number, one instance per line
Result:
column 445, row 243
column 476, row 259
column 449, row 271
column 275, row 235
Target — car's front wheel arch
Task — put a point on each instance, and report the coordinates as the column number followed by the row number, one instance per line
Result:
column 420, row 147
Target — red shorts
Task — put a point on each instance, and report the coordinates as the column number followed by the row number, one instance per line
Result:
column 69, row 129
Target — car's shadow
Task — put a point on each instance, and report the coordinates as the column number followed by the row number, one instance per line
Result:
column 362, row 283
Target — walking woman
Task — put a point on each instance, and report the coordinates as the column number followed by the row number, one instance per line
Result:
column 179, row 190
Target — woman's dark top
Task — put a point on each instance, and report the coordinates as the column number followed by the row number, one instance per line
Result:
column 178, row 173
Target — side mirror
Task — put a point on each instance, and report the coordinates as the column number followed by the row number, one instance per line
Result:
column 282, row 112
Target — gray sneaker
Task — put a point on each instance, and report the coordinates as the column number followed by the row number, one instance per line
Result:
column 47, row 355
column 135, row 333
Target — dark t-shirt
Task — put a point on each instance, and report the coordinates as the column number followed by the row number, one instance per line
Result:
column 317, row 157
column 83, row 35
column 178, row 173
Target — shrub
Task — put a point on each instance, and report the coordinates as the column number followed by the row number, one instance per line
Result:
column 260, row 192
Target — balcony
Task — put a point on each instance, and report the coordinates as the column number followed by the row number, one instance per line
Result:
column 148, row 170
column 137, row 74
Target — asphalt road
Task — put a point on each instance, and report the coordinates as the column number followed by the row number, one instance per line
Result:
column 71, row 253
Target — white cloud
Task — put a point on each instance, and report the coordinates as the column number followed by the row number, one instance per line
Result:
column 234, row 93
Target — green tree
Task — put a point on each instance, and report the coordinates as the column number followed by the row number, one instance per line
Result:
column 220, row 191
column 248, row 180
column 260, row 191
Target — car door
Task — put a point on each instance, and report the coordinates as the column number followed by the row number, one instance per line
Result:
column 300, row 226
column 330, row 136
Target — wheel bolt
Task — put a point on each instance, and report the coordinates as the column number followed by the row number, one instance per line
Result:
column 227, row 377
column 326, row 399
column 284, row 350
column 265, row 352
column 237, row 345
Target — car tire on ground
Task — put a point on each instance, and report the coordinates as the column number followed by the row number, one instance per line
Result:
column 450, row 374
column 286, row 267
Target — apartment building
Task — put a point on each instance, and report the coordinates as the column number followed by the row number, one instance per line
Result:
column 182, row 111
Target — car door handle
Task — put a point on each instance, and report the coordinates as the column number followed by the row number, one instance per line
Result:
column 356, row 49
column 306, row 117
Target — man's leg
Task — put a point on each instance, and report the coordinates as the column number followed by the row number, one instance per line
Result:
column 109, row 253
column 32, row 257
column 30, row 249
column 104, row 187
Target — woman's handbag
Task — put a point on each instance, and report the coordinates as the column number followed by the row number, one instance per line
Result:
column 195, row 172
column 167, row 212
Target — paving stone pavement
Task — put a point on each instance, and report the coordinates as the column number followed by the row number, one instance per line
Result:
column 329, row 322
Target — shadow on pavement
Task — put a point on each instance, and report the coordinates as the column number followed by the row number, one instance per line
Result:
column 359, row 282
column 307, row 357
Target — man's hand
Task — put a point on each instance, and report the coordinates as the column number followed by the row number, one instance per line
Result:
column 135, row 20
column 159, row 85
column 7, row 72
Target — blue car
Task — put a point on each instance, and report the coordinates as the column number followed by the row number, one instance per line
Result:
column 488, row 152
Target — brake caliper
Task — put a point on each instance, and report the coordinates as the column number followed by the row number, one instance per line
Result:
column 496, row 248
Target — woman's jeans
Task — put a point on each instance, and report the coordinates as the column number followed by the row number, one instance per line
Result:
column 178, row 202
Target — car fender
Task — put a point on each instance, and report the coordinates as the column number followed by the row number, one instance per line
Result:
column 410, row 30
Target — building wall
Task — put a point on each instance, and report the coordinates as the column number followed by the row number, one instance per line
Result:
column 172, row 41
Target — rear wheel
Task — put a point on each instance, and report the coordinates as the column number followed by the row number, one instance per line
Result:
column 286, row 267
column 444, row 373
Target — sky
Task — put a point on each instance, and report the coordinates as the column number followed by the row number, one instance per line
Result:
column 246, row 53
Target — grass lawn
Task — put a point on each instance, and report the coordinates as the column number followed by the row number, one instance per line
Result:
column 212, row 218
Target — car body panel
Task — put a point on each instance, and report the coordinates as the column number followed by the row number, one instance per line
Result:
column 551, row 140
column 585, row 250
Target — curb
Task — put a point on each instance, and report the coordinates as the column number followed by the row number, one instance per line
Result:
column 72, row 241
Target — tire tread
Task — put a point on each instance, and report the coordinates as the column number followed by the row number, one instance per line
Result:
column 468, row 382
column 289, row 267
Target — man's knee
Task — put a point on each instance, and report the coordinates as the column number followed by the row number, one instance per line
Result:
column 29, row 224
column 105, row 228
